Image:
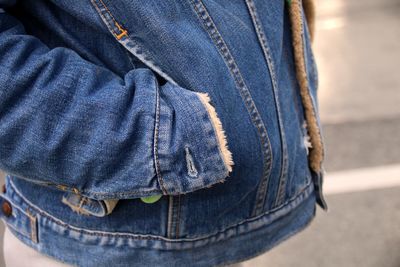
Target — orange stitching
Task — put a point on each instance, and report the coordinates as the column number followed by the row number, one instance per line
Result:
column 123, row 32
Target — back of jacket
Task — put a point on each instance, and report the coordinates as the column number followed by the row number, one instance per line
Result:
column 211, row 104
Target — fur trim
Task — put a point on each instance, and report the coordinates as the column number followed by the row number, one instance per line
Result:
column 221, row 137
column 110, row 204
column 316, row 153
column 309, row 10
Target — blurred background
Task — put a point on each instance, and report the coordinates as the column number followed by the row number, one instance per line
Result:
column 357, row 49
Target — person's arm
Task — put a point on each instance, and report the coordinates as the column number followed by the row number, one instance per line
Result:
column 69, row 123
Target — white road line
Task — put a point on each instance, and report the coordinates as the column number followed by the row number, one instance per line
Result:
column 361, row 179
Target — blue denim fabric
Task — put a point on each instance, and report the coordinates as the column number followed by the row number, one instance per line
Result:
column 100, row 105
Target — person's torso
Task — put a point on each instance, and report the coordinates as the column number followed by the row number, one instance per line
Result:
column 241, row 53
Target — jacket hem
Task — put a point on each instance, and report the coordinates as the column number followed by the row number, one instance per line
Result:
column 246, row 239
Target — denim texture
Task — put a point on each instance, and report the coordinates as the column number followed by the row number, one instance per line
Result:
column 104, row 102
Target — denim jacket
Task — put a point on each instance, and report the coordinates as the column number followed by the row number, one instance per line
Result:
column 211, row 105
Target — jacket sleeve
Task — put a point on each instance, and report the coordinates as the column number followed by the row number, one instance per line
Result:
column 69, row 123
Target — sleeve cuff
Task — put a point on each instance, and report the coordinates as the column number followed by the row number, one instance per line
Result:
column 191, row 149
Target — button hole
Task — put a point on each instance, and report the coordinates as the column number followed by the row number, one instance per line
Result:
column 192, row 171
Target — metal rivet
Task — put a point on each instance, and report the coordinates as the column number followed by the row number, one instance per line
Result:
column 6, row 208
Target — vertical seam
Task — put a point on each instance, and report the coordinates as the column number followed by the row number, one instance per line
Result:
column 178, row 217
column 173, row 216
column 155, row 141
column 170, row 211
column 267, row 55
column 156, row 128
column 223, row 49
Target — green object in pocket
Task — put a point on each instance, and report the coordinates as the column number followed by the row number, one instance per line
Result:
column 151, row 199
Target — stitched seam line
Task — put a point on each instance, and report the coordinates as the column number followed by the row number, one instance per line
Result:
column 99, row 11
column 178, row 217
column 123, row 31
column 170, row 213
column 13, row 205
column 286, row 237
column 155, row 141
column 267, row 55
column 129, row 193
column 20, row 210
column 174, row 217
column 131, row 45
column 153, row 67
column 123, row 194
column 46, row 183
column 216, row 37
column 20, row 231
column 91, row 193
column 307, row 190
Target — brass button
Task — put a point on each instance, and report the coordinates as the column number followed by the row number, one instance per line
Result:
column 3, row 188
column 6, row 208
